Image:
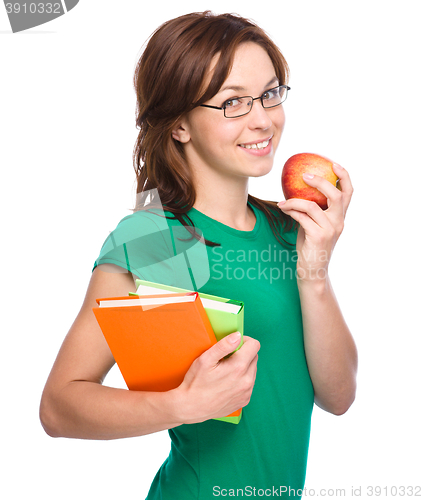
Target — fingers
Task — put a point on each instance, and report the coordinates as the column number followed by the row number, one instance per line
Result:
column 333, row 195
column 338, row 197
column 344, row 184
column 240, row 362
column 243, row 363
column 213, row 389
column 215, row 354
column 305, row 212
column 222, row 348
column 241, row 370
column 248, row 351
column 323, row 227
column 311, row 217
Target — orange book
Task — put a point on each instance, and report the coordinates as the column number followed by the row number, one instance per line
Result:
column 154, row 339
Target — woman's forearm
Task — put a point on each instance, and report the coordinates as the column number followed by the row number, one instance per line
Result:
column 88, row 410
column 329, row 346
column 213, row 387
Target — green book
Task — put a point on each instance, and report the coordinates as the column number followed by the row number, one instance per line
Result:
column 226, row 316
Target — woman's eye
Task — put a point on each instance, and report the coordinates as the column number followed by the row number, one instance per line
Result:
column 270, row 94
column 231, row 103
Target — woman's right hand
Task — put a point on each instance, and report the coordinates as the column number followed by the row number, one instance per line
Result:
column 215, row 387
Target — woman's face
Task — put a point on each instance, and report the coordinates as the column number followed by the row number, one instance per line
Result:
column 219, row 145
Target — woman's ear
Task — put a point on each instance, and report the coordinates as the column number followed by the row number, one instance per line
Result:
column 181, row 133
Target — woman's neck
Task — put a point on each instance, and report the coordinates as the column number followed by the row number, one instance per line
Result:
column 225, row 202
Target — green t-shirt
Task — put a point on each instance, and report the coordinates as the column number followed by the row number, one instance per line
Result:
column 266, row 453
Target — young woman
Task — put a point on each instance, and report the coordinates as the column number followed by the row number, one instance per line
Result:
column 200, row 140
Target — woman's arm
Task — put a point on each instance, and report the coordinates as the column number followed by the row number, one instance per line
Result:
column 76, row 404
column 330, row 349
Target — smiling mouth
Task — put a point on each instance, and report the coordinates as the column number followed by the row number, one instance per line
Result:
column 257, row 145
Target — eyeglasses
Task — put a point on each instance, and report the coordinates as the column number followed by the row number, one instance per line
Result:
column 240, row 106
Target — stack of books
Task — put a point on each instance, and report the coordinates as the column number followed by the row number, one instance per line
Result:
column 156, row 333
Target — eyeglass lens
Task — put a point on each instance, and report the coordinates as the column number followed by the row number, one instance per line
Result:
column 242, row 105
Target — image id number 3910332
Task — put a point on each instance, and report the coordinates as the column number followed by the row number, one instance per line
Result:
column 391, row 491
column 34, row 8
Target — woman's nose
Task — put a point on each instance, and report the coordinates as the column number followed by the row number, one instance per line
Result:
column 258, row 116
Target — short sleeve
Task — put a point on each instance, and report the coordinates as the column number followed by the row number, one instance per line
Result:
column 145, row 244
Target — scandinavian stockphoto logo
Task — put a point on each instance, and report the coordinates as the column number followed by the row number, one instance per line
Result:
column 24, row 14
column 154, row 250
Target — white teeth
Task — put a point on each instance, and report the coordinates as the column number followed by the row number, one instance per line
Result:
column 258, row 145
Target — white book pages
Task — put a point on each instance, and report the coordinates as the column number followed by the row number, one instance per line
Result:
column 209, row 303
column 157, row 301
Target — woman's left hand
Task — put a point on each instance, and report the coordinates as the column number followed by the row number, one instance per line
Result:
column 320, row 229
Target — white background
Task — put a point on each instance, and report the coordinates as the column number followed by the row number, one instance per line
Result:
column 67, row 131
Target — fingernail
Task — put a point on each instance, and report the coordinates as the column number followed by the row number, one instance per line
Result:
column 234, row 337
column 308, row 176
column 281, row 203
column 336, row 165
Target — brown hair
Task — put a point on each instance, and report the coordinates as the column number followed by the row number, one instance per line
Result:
column 169, row 82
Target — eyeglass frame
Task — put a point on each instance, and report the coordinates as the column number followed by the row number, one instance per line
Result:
column 252, row 100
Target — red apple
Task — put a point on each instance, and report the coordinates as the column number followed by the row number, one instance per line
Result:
column 293, row 185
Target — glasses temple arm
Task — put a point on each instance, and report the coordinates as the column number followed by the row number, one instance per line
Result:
column 208, row 106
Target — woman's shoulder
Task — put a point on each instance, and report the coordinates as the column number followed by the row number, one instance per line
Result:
column 145, row 243
column 141, row 223
column 136, row 233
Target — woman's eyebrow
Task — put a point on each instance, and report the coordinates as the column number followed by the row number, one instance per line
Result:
column 238, row 88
